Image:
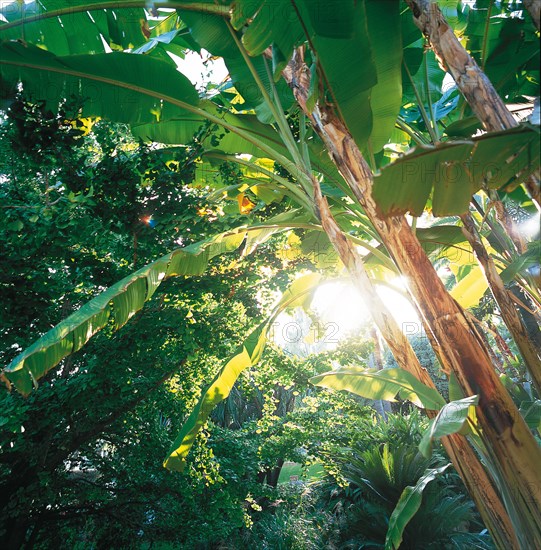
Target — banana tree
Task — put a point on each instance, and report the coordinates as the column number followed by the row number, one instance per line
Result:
column 493, row 114
column 275, row 63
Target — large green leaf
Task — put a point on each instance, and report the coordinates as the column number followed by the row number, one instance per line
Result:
column 366, row 93
column 299, row 294
column 276, row 22
column 510, row 47
column 119, row 86
column 454, row 170
column 65, row 28
column 421, row 66
column 127, row 88
column 384, row 384
column 450, row 420
column 367, row 89
column 332, row 18
column 349, row 84
column 247, row 355
column 384, row 32
column 214, row 34
column 407, row 506
column 121, row 301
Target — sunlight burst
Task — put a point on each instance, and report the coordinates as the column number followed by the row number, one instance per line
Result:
column 342, row 303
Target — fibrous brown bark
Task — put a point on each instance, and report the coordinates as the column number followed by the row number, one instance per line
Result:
column 466, row 462
column 352, row 260
column 470, row 79
column 491, row 110
column 463, row 457
column 472, row 82
column 503, row 429
column 509, row 313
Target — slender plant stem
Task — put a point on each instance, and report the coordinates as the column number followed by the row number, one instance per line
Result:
column 407, row 129
column 485, row 36
column 422, row 109
column 302, row 138
column 414, row 224
column 278, row 114
column 429, row 100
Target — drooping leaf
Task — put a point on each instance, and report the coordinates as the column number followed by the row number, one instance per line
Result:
column 128, row 88
column 347, row 85
column 454, row 170
column 121, row 301
column 450, row 420
column 299, row 294
column 367, row 94
column 407, row 506
column 215, row 35
column 247, row 355
column 119, row 86
column 384, row 31
column 332, row 18
column 334, row 29
column 242, row 11
column 384, row 384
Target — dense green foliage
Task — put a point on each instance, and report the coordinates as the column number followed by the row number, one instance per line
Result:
column 88, row 472
column 109, row 422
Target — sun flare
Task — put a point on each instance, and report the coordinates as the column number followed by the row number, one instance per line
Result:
column 341, row 303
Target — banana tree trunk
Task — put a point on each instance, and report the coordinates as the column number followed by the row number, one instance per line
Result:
column 352, row 260
column 460, row 452
column 470, row 79
column 509, row 313
column 503, row 429
column 491, row 110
